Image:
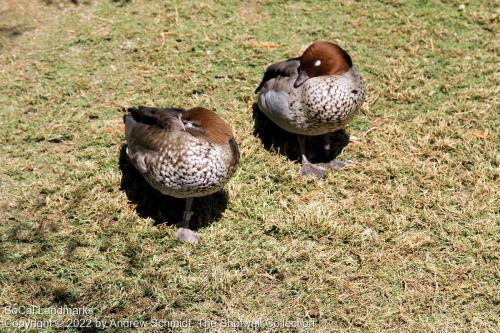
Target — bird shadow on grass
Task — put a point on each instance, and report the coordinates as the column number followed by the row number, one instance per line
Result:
column 165, row 209
column 276, row 139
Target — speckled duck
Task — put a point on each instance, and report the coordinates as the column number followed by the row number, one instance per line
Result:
column 314, row 94
column 184, row 154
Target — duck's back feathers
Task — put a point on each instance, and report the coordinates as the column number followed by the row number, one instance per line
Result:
column 146, row 128
column 286, row 69
column 160, row 117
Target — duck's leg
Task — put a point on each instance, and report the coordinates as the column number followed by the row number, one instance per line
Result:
column 308, row 168
column 326, row 145
column 184, row 233
column 334, row 164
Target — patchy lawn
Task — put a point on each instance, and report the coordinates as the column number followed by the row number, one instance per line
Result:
column 406, row 240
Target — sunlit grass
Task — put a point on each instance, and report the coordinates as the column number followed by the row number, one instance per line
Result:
column 406, row 240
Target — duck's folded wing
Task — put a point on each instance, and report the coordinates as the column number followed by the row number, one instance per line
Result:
column 159, row 117
column 286, row 68
column 147, row 129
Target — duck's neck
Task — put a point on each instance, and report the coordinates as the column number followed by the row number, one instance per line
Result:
column 352, row 75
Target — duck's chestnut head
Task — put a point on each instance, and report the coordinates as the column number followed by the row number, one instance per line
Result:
column 322, row 58
column 207, row 124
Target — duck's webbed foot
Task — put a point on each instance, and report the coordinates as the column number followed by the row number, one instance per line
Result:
column 187, row 235
column 318, row 171
column 307, row 168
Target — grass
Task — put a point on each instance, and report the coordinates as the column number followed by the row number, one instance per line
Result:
column 406, row 240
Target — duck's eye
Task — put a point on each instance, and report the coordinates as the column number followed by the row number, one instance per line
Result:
column 317, row 63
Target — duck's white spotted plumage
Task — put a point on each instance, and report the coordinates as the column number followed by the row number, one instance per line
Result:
column 189, row 167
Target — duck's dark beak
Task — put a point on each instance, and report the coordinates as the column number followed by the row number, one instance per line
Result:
column 301, row 78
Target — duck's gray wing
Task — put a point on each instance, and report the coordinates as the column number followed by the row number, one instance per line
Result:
column 286, row 69
column 147, row 129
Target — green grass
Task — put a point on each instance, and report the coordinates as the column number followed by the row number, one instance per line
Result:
column 406, row 240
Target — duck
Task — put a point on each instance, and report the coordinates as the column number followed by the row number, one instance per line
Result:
column 314, row 94
column 181, row 153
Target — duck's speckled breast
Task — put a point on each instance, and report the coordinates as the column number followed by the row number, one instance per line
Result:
column 190, row 167
column 326, row 103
